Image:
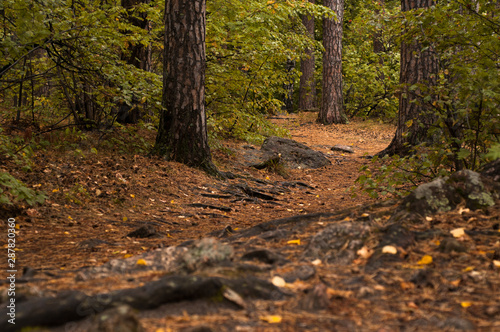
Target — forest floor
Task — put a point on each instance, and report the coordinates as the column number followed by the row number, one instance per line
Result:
column 96, row 199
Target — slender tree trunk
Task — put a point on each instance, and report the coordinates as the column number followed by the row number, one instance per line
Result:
column 182, row 135
column 288, row 87
column 418, row 69
column 307, row 89
column 332, row 100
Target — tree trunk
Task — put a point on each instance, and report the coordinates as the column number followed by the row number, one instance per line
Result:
column 307, row 89
column 182, row 135
column 288, row 86
column 332, row 100
column 418, row 73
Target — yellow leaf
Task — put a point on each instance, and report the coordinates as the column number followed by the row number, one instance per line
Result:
column 458, row 232
column 132, row 195
column 426, row 260
column 55, row 190
column 273, row 319
column 125, row 218
column 409, row 123
column 466, row 304
column 141, row 262
column 365, row 215
column 67, row 233
column 127, row 256
column 294, row 242
column 496, row 263
column 468, row 269
column 17, row 226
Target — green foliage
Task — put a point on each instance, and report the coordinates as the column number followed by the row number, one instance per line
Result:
column 371, row 78
column 14, row 191
column 248, row 45
column 466, row 100
column 397, row 176
column 73, row 55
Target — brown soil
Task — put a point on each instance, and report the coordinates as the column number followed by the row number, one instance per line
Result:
column 106, row 195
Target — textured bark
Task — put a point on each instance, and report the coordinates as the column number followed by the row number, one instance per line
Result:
column 415, row 115
column 307, row 89
column 332, row 100
column 182, row 135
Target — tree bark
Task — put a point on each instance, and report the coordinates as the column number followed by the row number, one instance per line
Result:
column 332, row 100
column 418, row 69
column 307, row 89
column 182, row 135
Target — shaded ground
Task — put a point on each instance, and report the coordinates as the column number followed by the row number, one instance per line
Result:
column 96, row 200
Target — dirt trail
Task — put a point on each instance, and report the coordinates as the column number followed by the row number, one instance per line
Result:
column 108, row 195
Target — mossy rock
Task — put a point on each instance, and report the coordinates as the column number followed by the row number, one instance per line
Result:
column 446, row 193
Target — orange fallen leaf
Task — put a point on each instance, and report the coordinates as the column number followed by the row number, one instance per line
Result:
column 425, row 260
column 141, row 262
column 465, row 304
column 294, row 242
column 273, row 319
column 407, row 285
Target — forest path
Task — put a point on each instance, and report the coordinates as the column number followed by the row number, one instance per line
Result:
column 108, row 213
column 96, row 200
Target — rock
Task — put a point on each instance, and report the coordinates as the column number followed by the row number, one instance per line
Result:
column 342, row 148
column 265, row 256
column 423, row 278
column 338, row 243
column 448, row 245
column 315, row 299
column 145, row 231
column 303, row 272
column 295, row 154
column 458, row 323
column 396, row 235
column 206, row 252
column 119, row 319
column 444, row 194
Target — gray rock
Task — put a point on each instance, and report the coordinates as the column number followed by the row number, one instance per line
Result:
column 338, row 243
column 444, row 194
column 295, row 154
column 119, row 319
column 448, row 245
column 342, row 148
column 207, row 252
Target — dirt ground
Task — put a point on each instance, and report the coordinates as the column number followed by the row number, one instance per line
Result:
column 103, row 197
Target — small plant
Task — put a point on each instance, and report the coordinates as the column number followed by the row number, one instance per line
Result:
column 12, row 191
column 397, row 176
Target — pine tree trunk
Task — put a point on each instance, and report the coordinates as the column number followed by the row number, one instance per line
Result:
column 332, row 100
column 307, row 89
column 182, row 135
column 417, row 69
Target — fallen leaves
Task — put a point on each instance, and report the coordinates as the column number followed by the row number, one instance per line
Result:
column 272, row 319
column 390, row 250
column 425, row 260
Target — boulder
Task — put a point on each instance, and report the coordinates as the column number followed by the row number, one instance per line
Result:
column 446, row 193
column 295, row 154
